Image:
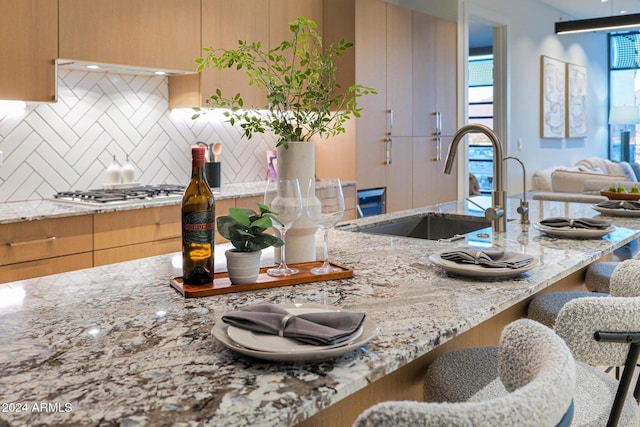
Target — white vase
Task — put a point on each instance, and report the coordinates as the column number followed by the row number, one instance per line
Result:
column 243, row 267
column 298, row 161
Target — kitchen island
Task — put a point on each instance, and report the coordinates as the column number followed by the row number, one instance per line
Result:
column 116, row 345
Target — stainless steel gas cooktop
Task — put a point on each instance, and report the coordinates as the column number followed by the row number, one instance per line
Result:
column 122, row 195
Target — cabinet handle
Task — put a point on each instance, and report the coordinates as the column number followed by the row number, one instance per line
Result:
column 165, row 222
column 438, row 136
column 28, row 242
column 390, row 122
column 388, row 145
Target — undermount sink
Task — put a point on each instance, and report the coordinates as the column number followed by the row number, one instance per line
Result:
column 432, row 226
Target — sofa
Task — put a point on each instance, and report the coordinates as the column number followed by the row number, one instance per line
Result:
column 583, row 181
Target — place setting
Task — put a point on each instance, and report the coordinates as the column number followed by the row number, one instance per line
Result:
column 576, row 228
column 483, row 263
column 618, row 207
column 294, row 332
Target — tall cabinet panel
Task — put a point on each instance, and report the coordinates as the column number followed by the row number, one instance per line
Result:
column 161, row 34
column 434, row 107
column 29, row 34
column 371, row 127
column 398, row 70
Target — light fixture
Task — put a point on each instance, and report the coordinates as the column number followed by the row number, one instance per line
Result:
column 11, row 107
column 624, row 115
column 93, row 67
column 599, row 24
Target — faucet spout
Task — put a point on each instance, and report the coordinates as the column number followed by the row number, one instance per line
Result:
column 523, row 209
column 498, row 195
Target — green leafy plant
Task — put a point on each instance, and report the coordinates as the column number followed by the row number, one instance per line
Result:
column 245, row 228
column 303, row 94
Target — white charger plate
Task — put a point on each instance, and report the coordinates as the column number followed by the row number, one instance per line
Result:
column 617, row 212
column 277, row 344
column 478, row 271
column 577, row 233
column 369, row 331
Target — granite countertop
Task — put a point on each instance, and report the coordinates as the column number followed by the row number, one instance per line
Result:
column 32, row 210
column 117, row 345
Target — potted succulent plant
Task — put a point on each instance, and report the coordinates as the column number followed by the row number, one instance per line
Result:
column 304, row 98
column 245, row 229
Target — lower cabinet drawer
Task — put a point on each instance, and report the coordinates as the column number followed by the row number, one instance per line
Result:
column 44, row 267
column 43, row 239
column 141, row 250
column 123, row 228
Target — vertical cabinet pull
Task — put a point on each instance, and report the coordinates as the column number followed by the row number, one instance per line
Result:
column 438, row 134
column 388, row 145
column 390, row 122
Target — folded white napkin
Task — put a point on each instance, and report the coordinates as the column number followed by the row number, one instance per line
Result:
column 585, row 223
column 324, row 328
column 491, row 259
column 620, row 204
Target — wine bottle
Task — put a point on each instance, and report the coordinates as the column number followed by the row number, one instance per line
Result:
column 198, row 225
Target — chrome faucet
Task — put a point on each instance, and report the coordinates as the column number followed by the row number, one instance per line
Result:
column 523, row 209
column 496, row 213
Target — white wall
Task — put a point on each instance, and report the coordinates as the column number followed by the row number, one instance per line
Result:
column 530, row 35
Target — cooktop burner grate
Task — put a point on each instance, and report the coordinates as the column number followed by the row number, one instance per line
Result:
column 122, row 194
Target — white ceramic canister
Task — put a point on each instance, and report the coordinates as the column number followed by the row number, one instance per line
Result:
column 114, row 172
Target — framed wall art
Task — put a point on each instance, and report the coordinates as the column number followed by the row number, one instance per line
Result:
column 552, row 98
column 576, row 101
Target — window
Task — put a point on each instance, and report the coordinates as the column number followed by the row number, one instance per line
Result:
column 480, row 97
column 624, row 86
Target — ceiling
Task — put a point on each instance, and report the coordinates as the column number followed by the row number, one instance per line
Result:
column 480, row 35
column 584, row 9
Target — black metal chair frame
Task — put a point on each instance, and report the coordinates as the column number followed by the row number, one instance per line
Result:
column 632, row 338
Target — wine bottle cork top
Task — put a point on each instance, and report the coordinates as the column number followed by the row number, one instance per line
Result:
column 198, row 154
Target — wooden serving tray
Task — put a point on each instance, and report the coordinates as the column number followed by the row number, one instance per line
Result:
column 222, row 285
column 620, row 196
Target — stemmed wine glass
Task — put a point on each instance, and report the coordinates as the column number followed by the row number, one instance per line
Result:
column 283, row 196
column 325, row 207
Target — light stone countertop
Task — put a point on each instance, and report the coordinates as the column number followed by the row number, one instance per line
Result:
column 32, row 210
column 117, row 346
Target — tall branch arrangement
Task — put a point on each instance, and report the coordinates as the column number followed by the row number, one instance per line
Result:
column 303, row 95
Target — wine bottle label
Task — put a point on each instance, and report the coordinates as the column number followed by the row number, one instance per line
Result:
column 198, row 227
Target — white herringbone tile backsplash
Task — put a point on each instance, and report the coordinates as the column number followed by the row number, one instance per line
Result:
column 68, row 145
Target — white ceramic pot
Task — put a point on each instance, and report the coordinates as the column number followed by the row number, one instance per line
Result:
column 298, row 161
column 243, row 267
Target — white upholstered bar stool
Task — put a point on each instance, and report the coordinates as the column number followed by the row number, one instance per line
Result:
column 540, row 393
column 624, row 281
column 599, row 332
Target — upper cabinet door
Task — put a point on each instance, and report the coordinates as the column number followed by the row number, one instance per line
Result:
column 226, row 22
column 282, row 12
column 163, row 34
column 29, row 34
column 399, row 70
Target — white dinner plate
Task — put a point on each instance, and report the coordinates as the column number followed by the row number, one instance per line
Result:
column 369, row 331
column 617, row 212
column 478, row 271
column 577, row 233
column 277, row 344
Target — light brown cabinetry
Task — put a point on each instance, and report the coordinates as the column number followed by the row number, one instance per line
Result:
column 410, row 59
column 224, row 23
column 163, row 34
column 48, row 246
column 137, row 233
column 434, row 100
column 29, row 34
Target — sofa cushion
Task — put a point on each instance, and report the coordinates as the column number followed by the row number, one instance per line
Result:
column 627, row 169
column 573, row 182
column 541, row 179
